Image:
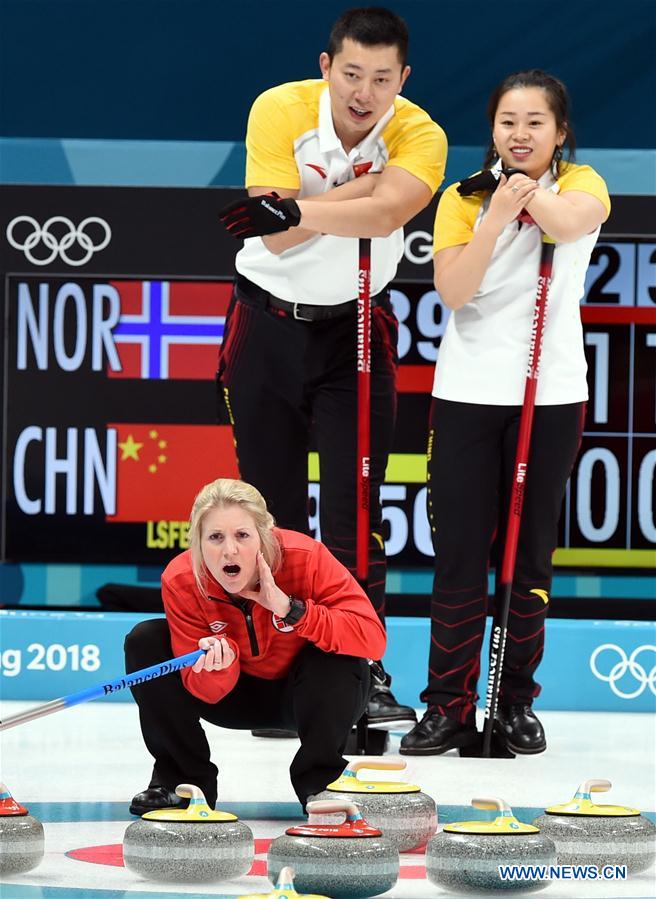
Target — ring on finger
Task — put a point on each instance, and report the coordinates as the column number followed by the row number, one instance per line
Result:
column 514, row 189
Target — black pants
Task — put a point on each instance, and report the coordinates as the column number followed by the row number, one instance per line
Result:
column 283, row 378
column 471, row 455
column 322, row 697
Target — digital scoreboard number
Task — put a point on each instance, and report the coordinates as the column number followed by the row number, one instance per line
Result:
column 610, row 502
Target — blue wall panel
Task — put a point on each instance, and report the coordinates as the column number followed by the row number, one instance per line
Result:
column 588, row 665
column 222, row 163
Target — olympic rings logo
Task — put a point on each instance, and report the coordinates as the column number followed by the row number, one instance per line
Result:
column 53, row 244
column 624, row 665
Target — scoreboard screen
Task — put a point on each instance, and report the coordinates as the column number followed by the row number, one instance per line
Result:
column 114, row 303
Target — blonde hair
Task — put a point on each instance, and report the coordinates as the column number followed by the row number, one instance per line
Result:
column 230, row 492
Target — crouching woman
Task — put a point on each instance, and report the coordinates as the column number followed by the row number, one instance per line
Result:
column 286, row 630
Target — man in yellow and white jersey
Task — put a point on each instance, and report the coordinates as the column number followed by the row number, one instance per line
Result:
column 338, row 158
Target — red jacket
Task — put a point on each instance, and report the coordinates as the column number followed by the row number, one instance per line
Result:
column 339, row 617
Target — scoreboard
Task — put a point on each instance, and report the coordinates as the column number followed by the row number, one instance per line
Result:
column 608, row 515
column 610, row 498
column 114, row 301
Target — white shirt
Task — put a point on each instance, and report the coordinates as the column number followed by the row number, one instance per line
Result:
column 307, row 154
column 484, row 353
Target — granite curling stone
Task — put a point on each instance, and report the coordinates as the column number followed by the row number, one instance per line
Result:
column 589, row 834
column 406, row 816
column 467, row 854
column 284, row 889
column 194, row 844
column 21, row 836
column 349, row 859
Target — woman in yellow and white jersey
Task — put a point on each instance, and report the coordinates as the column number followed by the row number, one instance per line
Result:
column 487, row 252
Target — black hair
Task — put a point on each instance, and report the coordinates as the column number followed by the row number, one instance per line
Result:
column 557, row 98
column 371, row 26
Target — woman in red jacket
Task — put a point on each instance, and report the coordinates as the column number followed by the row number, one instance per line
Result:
column 286, row 629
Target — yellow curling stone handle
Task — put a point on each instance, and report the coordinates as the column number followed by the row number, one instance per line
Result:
column 198, row 811
column 582, row 803
column 350, row 782
column 284, row 889
column 504, row 823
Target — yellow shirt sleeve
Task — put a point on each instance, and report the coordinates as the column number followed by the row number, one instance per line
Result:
column 270, row 158
column 416, row 143
column 455, row 218
column 585, row 179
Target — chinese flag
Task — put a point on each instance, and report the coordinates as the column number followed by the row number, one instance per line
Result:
column 161, row 468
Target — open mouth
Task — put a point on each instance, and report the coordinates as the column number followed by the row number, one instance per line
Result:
column 359, row 113
column 521, row 152
column 231, row 570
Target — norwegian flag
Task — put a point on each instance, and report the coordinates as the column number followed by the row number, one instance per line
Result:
column 170, row 329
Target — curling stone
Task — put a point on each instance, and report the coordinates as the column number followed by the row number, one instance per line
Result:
column 21, row 836
column 188, row 844
column 587, row 833
column 284, row 889
column 349, row 859
column 406, row 816
column 467, row 854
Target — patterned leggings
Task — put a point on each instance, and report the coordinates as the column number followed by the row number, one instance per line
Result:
column 471, row 455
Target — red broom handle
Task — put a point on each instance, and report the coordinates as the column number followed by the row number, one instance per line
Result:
column 364, row 410
column 500, row 623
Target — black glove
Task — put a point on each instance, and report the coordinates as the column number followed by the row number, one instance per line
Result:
column 485, row 180
column 256, row 216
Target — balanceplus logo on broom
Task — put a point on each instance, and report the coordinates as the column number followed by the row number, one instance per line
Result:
column 497, row 644
column 537, row 312
column 141, row 677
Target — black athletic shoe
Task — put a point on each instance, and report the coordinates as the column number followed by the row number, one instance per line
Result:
column 436, row 734
column 154, row 798
column 382, row 707
column 519, row 726
column 274, row 733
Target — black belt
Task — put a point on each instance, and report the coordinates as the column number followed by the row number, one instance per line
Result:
column 306, row 312
column 310, row 312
